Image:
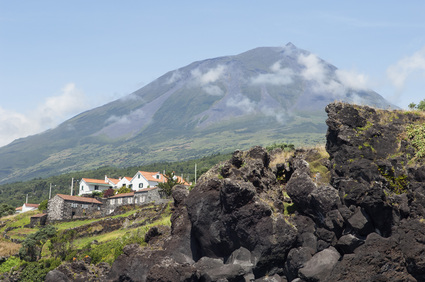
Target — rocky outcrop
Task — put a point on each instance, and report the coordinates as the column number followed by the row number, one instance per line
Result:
column 249, row 220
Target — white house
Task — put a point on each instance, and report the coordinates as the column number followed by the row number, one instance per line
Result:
column 88, row 185
column 125, row 181
column 27, row 207
column 145, row 179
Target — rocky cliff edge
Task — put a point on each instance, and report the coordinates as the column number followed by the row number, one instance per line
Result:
column 264, row 217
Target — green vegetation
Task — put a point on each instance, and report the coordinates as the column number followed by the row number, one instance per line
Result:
column 45, row 248
column 397, row 184
column 416, row 134
column 171, row 182
column 6, row 209
column 283, row 146
column 420, row 106
column 38, row 189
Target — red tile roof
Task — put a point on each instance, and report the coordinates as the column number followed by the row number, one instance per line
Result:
column 32, row 205
column 122, row 195
column 79, row 199
column 18, row 208
column 95, row 181
column 114, row 180
column 150, row 176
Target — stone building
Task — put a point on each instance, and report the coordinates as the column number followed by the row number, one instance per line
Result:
column 38, row 219
column 140, row 197
column 62, row 207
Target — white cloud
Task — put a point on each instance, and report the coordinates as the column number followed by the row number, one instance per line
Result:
column 49, row 114
column 210, row 76
column 278, row 76
column 126, row 119
column 325, row 82
column 406, row 67
column 352, row 79
column 174, row 77
column 242, row 103
column 279, row 114
column 213, row 90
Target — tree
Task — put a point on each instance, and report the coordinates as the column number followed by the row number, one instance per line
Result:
column 43, row 205
column 108, row 193
column 421, row 105
column 6, row 209
column 123, row 189
column 171, row 182
column 412, row 106
column 33, row 243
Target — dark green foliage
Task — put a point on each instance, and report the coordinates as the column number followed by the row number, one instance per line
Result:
column 37, row 270
column 61, row 245
column 6, row 209
column 43, row 205
column 97, row 194
column 283, row 146
column 31, row 247
column 171, row 182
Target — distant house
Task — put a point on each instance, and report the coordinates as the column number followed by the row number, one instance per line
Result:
column 88, row 185
column 62, row 207
column 27, row 207
column 125, row 181
column 141, row 180
column 140, row 197
column 145, row 179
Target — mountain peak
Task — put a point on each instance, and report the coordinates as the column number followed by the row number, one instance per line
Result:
column 212, row 106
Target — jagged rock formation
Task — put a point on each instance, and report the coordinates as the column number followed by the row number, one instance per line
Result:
column 365, row 224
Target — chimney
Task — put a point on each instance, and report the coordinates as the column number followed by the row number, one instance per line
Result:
column 106, row 178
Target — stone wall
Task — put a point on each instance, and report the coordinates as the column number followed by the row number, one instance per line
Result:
column 55, row 208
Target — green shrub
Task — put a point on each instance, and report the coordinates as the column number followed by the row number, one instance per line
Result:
column 43, row 205
column 416, row 134
column 9, row 263
column 37, row 271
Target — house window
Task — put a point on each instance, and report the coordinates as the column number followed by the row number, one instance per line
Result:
column 138, row 176
column 130, row 200
column 96, row 187
column 112, row 201
column 84, row 206
column 119, row 201
column 157, row 177
column 130, row 186
column 74, row 205
column 81, row 188
column 140, row 185
column 142, row 199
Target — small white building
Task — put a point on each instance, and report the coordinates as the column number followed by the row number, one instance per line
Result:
column 145, row 179
column 88, row 185
column 125, row 181
column 27, row 207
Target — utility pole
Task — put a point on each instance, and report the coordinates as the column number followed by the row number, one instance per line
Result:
column 72, row 185
column 50, row 191
column 26, row 201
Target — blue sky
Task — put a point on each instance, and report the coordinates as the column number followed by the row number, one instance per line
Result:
column 59, row 58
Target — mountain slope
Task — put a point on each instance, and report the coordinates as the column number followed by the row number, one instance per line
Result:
column 261, row 96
